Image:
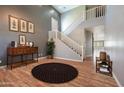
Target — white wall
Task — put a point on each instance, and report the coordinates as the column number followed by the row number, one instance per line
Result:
column 97, row 25
column 71, row 16
column 114, row 36
column 98, row 33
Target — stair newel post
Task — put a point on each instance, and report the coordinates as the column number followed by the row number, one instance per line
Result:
column 82, row 57
column 56, row 34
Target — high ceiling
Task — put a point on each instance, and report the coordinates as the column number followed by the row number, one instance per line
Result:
column 64, row 8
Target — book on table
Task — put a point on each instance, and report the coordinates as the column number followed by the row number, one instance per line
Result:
column 104, row 70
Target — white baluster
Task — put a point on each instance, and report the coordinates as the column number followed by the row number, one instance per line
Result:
column 96, row 12
column 82, row 55
column 69, row 42
column 101, row 10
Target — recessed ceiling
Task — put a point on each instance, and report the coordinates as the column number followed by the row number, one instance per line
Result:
column 64, row 8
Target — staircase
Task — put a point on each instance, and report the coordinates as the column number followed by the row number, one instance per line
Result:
column 75, row 47
column 70, row 43
column 93, row 17
column 73, row 50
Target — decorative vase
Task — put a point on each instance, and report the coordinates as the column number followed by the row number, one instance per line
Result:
column 12, row 43
column 27, row 43
column 31, row 44
column 16, row 44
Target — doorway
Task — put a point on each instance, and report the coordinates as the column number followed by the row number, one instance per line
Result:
column 54, row 24
column 88, row 44
column 97, row 33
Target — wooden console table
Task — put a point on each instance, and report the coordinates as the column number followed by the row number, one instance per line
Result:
column 20, row 51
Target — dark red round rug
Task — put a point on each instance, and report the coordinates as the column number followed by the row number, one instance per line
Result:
column 54, row 72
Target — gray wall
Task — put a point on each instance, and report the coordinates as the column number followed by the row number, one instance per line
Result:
column 63, row 51
column 39, row 15
column 71, row 16
column 114, row 35
column 77, row 34
column 88, row 49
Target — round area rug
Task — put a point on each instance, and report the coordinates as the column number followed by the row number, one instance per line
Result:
column 54, row 72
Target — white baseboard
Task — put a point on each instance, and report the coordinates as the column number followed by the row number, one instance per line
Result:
column 88, row 55
column 117, row 81
column 68, row 59
column 61, row 58
column 1, row 67
column 42, row 57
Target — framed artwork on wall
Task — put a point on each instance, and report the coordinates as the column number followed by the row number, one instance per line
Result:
column 23, row 25
column 22, row 39
column 13, row 23
column 30, row 27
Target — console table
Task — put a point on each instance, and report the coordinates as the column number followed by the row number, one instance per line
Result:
column 21, row 51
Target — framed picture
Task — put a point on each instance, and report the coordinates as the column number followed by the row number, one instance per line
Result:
column 30, row 27
column 13, row 23
column 23, row 25
column 22, row 39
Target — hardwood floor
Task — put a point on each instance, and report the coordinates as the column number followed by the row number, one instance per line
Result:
column 21, row 76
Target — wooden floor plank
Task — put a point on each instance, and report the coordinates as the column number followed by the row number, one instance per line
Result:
column 22, row 77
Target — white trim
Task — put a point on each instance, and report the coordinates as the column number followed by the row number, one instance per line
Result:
column 42, row 57
column 1, row 67
column 68, row 59
column 117, row 81
column 88, row 55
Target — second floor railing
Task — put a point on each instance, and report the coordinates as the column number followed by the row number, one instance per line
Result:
column 92, row 13
column 95, row 12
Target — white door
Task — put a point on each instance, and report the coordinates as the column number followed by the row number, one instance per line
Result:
column 54, row 24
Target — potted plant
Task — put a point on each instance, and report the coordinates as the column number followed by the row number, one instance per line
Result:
column 50, row 49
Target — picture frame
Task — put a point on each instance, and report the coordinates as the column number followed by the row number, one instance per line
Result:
column 13, row 23
column 22, row 40
column 30, row 27
column 23, row 25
